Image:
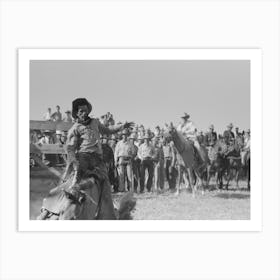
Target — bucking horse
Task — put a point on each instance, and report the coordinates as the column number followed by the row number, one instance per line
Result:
column 86, row 200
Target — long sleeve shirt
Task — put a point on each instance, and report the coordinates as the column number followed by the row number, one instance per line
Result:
column 123, row 149
column 146, row 151
column 188, row 130
column 86, row 138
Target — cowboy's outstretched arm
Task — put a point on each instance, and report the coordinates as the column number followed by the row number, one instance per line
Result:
column 106, row 130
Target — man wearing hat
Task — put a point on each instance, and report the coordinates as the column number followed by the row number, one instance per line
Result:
column 187, row 127
column 146, row 153
column 228, row 134
column 211, row 137
column 123, row 161
column 68, row 117
column 169, row 161
column 134, row 159
column 189, row 131
column 159, row 164
column 246, row 148
column 84, row 145
column 56, row 116
column 239, row 137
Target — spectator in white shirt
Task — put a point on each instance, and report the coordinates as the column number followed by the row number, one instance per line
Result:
column 47, row 115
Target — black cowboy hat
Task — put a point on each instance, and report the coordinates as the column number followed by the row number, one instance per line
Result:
column 79, row 102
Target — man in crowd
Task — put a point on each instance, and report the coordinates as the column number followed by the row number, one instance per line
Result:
column 169, row 162
column 47, row 115
column 84, row 147
column 201, row 138
column 246, row 148
column 228, row 134
column 239, row 137
column 113, row 142
column 157, row 131
column 123, row 161
column 158, row 164
column 134, row 159
column 68, row 117
column 56, row 116
column 146, row 153
column 210, row 137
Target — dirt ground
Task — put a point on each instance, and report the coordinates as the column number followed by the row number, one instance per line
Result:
column 213, row 205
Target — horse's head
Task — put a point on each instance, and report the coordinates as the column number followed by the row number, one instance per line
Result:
column 72, row 205
column 77, row 203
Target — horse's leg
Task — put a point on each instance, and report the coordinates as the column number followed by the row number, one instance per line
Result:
column 186, row 179
column 178, row 187
column 228, row 177
column 193, row 186
column 237, row 178
column 248, row 176
column 217, row 176
column 200, row 182
column 208, row 174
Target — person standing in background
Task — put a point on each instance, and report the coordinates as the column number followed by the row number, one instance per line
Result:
column 47, row 115
column 56, row 116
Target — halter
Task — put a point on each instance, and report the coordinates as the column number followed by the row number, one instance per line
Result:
column 82, row 204
column 76, row 201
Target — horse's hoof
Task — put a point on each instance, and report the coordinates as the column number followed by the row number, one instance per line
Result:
column 202, row 192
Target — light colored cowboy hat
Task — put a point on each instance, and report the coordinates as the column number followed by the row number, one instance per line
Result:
column 230, row 125
column 125, row 132
column 59, row 132
column 132, row 136
column 186, row 116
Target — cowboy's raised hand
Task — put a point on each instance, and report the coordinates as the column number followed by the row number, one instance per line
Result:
column 128, row 124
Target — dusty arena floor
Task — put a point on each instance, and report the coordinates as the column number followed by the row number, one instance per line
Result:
column 213, row 205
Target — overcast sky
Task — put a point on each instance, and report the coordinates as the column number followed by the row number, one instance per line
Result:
column 147, row 92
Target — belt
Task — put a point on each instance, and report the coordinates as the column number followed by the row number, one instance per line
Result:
column 147, row 158
column 125, row 158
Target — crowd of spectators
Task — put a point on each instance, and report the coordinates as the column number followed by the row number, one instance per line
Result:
column 143, row 157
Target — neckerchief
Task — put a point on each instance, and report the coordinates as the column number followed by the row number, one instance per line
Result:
column 85, row 122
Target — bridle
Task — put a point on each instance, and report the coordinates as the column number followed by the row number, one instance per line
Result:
column 80, row 200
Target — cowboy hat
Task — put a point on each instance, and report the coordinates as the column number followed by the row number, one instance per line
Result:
column 68, row 112
column 59, row 132
column 125, row 132
column 186, row 116
column 230, row 125
column 146, row 136
column 113, row 137
column 132, row 136
column 79, row 102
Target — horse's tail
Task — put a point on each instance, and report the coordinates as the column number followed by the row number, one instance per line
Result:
column 127, row 205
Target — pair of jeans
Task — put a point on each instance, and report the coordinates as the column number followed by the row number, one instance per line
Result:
column 146, row 164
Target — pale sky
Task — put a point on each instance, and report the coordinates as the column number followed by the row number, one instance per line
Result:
column 147, row 92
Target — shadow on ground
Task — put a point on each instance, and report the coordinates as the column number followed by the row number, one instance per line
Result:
column 233, row 195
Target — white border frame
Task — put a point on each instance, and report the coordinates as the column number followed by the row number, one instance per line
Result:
column 254, row 55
